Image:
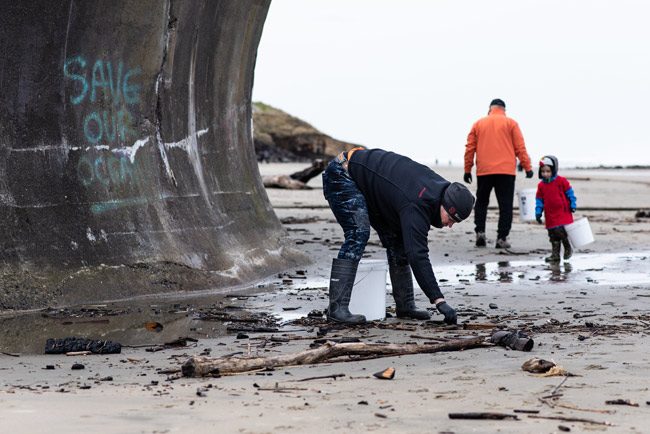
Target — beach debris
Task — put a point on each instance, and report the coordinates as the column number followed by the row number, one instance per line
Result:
column 570, row 419
column 523, row 410
column 513, row 339
column 180, row 342
column 381, row 415
column 316, row 314
column 198, row 366
column 493, row 306
column 252, row 329
column 642, row 214
column 321, row 377
column 621, row 402
column 297, row 180
column 386, row 374
column 153, row 326
column 10, row 354
column 73, row 344
column 563, row 428
column 537, row 366
column 556, row 371
column 77, row 366
column 479, row 326
column 78, row 353
column 483, row 415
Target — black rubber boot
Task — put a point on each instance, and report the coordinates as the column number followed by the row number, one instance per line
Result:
column 481, row 239
column 402, row 281
column 341, row 283
column 568, row 251
column 555, row 252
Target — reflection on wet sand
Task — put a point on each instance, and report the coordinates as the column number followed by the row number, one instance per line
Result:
column 559, row 271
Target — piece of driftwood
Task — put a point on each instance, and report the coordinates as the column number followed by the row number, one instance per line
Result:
column 310, row 172
column 297, row 180
column 199, row 366
column 574, row 407
column 483, row 415
column 570, row 419
column 621, row 402
column 322, row 377
column 283, row 181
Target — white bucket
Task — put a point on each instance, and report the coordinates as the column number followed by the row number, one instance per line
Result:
column 579, row 233
column 369, row 292
column 527, row 204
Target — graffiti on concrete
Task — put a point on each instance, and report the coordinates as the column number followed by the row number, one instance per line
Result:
column 109, row 93
column 106, row 92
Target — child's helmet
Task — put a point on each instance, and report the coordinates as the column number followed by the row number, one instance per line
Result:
column 551, row 161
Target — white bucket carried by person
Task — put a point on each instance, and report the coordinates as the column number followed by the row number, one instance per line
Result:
column 579, row 233
column 527, row 204
column 369, row 292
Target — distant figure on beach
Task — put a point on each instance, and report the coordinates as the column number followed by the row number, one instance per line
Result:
column 555, row 198
column 401, row 199
column 495, row 140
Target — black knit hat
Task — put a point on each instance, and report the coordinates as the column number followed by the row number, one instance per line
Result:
column 498, row 102
column 458, row 201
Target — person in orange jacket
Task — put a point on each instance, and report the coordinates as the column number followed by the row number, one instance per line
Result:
column 495, row 140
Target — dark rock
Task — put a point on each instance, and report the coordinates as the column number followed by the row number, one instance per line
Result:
column 72, row 344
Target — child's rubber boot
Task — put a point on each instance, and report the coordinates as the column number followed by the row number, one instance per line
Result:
column 555, row 252
column 568, row 251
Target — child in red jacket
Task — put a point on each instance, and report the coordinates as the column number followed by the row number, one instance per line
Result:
column 556, row 199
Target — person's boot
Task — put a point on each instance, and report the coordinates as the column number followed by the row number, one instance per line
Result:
column 341, row 282
column 568, row 251
column 502, row 243
column 481, row 239
column 555, row 252
column 402, row 281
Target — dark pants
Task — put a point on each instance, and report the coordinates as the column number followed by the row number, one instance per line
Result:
column 504, row 187
column 557, row 234
column 350, row 209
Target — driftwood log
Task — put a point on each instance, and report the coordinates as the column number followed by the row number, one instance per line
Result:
column 297, row 180
column 199, row 366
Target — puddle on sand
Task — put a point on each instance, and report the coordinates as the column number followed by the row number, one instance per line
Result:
column 600, row 269
column 612, row 269
column 123, row 322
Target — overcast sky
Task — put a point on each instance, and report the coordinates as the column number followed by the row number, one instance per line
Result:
column 413, row 75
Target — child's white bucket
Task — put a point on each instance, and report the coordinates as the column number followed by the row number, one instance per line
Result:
column 527, row 204
column 579, row 233
column 369, row 292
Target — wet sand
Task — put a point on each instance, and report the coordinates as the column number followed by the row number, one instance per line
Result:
column 590, row 315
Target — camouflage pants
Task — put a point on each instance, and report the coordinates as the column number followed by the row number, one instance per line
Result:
column 350, row 209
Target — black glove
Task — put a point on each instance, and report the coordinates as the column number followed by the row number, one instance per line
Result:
column 529, row 174
column 448, row 312
column 467, row 178
column 573, row 210
column 538, row 217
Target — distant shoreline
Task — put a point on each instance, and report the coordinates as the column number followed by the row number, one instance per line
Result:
column 615, row 167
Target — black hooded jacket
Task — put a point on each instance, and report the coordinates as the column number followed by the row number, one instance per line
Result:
column 404, row 198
